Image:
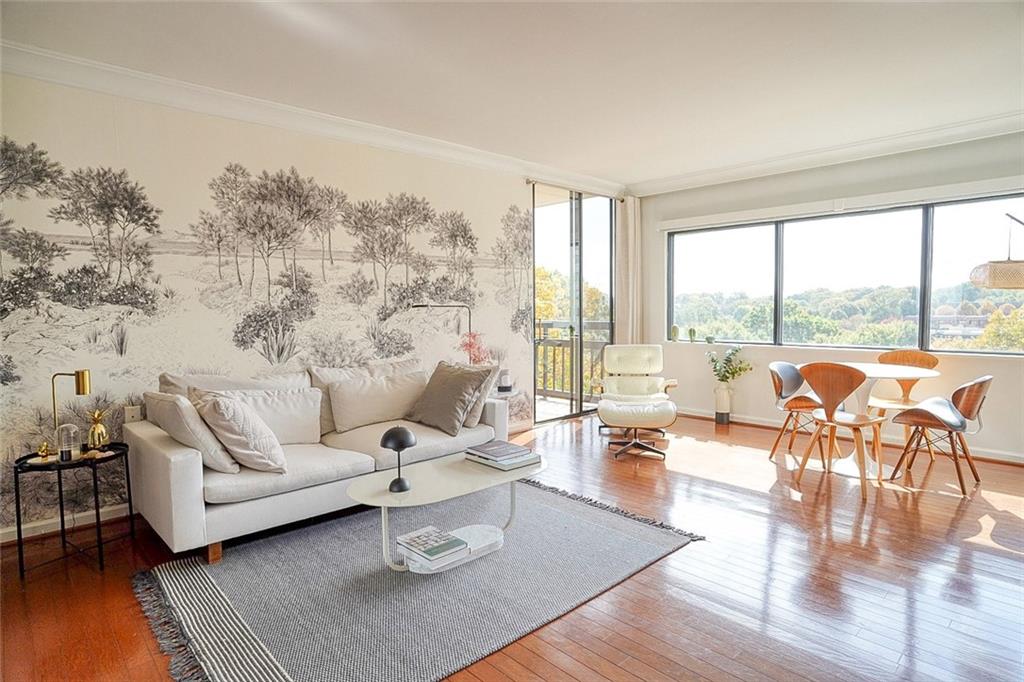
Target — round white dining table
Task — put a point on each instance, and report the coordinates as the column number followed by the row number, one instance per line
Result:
column 858, row 404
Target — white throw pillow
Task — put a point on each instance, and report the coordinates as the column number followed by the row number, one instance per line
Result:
column 293, row 414
column 179, row 384
column 323, row 377
column 179, row 418
column 247, row 437
column 362, row 401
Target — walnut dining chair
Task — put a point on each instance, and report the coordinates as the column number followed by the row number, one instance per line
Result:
column 788, row 382
column 940, row 419
column 910, row 357
column 833, row 383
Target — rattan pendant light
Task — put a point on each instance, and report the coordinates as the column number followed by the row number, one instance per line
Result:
column 1001, row 274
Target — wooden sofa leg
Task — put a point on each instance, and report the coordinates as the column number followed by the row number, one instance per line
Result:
column 214, row 553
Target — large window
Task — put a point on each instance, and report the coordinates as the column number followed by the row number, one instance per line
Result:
column 853, row 280
column 722, row 284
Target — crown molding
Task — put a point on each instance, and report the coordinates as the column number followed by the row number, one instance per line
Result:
column 964, row 131
column 46, row 65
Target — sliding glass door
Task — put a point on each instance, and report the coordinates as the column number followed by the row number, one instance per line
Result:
column 573, row 237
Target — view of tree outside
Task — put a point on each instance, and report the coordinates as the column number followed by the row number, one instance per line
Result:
column 853, row 280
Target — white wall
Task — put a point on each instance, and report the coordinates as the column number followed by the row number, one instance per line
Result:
column 978, row 167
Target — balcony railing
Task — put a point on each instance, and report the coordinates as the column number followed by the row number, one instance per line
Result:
column 555, row 343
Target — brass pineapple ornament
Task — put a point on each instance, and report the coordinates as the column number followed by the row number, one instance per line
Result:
column 98, row 436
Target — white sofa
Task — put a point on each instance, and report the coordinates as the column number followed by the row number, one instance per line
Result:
column 190, row 506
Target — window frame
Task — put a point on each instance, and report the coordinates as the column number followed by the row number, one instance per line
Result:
column 924, row 288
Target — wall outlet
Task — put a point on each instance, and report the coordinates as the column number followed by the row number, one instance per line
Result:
column 132, row 413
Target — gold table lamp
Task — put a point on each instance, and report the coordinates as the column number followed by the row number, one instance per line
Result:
column 83, row 386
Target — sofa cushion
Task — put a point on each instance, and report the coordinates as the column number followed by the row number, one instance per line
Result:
column 323, row 377
column 293, row 414
column 308, row 465
column 430, row 442
column 245, row 435
column 362, row 401
column 179, row 384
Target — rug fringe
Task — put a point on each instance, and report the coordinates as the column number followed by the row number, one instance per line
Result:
column 184, row 666
column 611, row 508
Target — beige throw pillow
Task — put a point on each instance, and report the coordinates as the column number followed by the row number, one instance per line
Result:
column 449, row 395
column 477, row 409
column 323, row 377
column 179, row 418
column 363, row 401
column 247, row 437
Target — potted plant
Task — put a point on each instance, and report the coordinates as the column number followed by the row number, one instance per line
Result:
column 726, row 369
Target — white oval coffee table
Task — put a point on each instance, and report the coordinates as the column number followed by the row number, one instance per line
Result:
column 437, row 480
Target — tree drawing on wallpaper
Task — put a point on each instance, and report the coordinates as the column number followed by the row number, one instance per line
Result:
column 454, row 235
column 333, row 206
column 514, row 253
column 376, row 243
column 404, row 216
column 214, row 235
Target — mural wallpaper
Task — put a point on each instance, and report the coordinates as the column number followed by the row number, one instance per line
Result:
column 277, row 271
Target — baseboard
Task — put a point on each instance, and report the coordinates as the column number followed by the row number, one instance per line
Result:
column 83, row 519
column 1001, row 456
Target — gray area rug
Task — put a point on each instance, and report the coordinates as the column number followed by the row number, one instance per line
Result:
column 318, row 603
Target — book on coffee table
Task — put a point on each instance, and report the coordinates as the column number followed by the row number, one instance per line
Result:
column 507, row 464
column 430, row 544
column 498, row 450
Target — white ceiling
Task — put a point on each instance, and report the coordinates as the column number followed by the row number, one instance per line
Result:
column 649, row 96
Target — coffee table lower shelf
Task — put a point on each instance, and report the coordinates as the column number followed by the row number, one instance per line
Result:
column 482, row 539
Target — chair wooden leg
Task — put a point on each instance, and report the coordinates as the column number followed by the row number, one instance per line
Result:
column 876, row 448
column 214, row 553
column 967, row 455
column 906, row 450
column 782, row 432
column 858, row 441
column 931, row 451
column 831, row 448
column 821, row 455
column 792, row 436
column 922, row 435
column 956, row 461
column 807, row 453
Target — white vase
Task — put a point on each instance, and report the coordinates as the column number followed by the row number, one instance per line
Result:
column 723, row 403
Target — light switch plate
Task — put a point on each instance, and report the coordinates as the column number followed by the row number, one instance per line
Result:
column 132, row 413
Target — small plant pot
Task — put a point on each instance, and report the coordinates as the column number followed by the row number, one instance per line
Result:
column 723, row 403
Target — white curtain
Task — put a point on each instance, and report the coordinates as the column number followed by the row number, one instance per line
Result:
column 628, row 281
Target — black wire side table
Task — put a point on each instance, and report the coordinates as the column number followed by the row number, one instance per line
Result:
column 33, row 463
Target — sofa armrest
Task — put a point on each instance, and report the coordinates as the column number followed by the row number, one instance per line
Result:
column 495, row 414
column 167, row 485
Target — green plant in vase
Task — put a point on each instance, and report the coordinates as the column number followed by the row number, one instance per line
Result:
column 726, row 369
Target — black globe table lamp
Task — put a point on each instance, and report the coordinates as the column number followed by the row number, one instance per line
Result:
column 398, row 438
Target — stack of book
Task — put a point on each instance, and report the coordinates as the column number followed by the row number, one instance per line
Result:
column 503, row 455
column 431, row 547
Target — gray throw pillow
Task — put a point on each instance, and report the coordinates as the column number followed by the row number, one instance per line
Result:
column 448, row 397
column 477, row 409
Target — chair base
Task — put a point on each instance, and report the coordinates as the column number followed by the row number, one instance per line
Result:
column 601, row 428
column 635, row 443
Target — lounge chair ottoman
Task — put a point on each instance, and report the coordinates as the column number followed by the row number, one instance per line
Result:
column 632, row 417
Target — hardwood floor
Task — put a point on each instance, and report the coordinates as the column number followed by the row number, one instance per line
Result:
column 792, row 584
